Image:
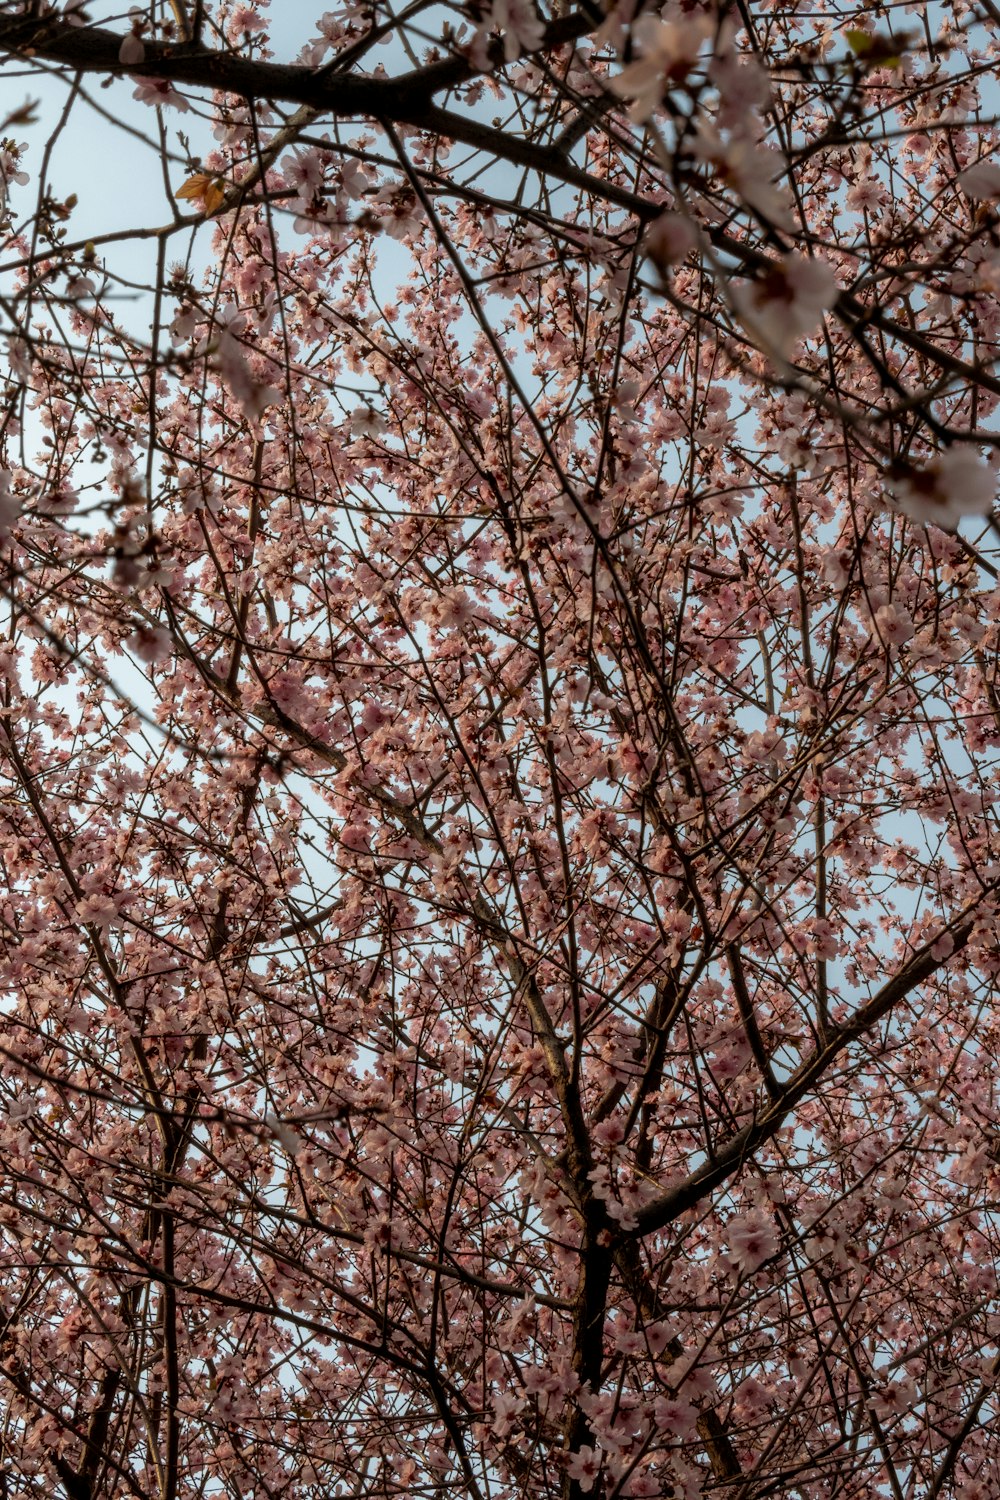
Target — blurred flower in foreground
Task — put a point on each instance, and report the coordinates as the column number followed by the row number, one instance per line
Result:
column 956, row 483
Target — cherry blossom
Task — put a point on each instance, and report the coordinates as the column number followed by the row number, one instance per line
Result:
column 584, row 1466
column 751, row 170
column 132, row 50
column 245, row 21
column 752, row 1240
column 10, row 172
column 670, row 239
column 253, row 395
column 668, row 49
column 159, row 91
column 787, row 302
column 894, row 625
column 10, row 506
column 499, row 726
column 982, row 180
column 956, row 483
column 522, row 28
column 150, row 645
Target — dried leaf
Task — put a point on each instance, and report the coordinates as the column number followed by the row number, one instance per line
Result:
column 24, row 116
column 194, row 187
column 204, row 188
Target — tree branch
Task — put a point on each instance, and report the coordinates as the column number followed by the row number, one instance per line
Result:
column 731, row 1155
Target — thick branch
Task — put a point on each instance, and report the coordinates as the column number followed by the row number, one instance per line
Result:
column 730, row 1156
column 409, row 100
column 93, row 49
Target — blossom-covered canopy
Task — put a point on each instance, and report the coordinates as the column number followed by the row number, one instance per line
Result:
column 499, row 728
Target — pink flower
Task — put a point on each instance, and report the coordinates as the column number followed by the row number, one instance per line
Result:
column 670, row 240
column 609, row 1132
column 159, row 91
column 253, row 396
column 149, row 644
column 743, row 87
column 185, row 322
column 523, row 32
column 824, row 942
column 836, row 565
column 894, row 625
column 675, row 1418
column 957, row 483
column 658, row 1336
column 506, row 1408
column 10, row 157
column 894, row 1399
column 982, row 180
column 10, row 169
column 80, row 286
column 284, row 1134
column 96, row 910
column 10, row 505
column 405, row 214
column 244, row 21
column 314, row 214
column 584, row 1466
column 669, row 50
column 303, row 170
column 643, row 1484
column 365, row 421
column 764, row 745
column 750, row 170
column 131, row 52
column 867, row 194
column 752, row 1240
column 60, row 500
column 786, row 303
column 19, row 359
column 354, row 179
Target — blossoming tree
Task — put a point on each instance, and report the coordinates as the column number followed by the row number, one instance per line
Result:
column 499, row 752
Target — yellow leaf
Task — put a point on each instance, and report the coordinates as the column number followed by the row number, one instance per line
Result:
column 201, row 187
column 878, row 51
column 215, row 195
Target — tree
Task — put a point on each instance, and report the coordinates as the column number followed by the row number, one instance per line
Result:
column 499, row 754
